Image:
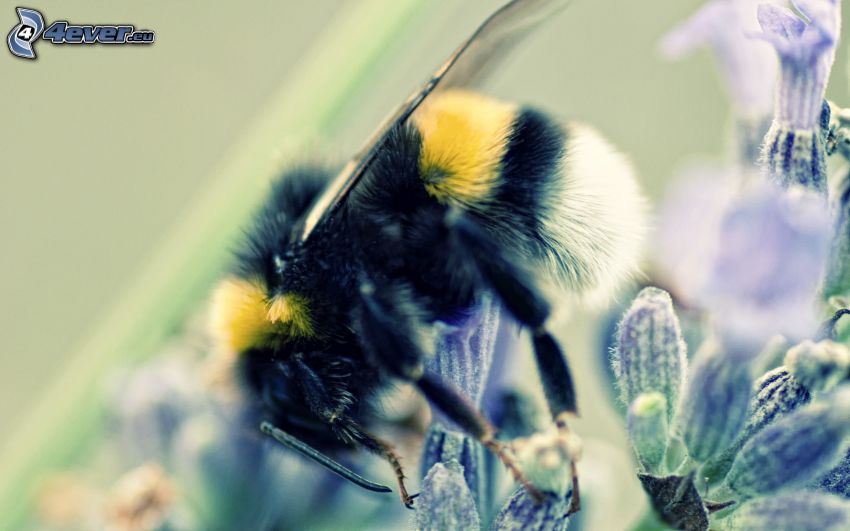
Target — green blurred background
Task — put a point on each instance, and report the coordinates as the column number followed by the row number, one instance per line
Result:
column 116, row 158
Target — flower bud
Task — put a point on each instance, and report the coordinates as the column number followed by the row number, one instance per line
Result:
column 716, row 402
column 819, row 366
column 800, row 511
column 444, row 446
column 445, row 501
column 650, row 354
column 521, row 513
column 647, row 424
column 837, row 480
column 793, row 450
column 775, row 394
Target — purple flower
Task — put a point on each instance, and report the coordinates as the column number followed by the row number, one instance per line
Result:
column 746, row 64
column 770, row 256
column 793, row 150
column 806, row 51
column 689, row 223
column 464, row 351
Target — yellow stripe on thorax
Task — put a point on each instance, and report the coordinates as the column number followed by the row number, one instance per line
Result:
column 464, row 135
column 243, row 317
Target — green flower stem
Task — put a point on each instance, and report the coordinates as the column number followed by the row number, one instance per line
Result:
column 176, row 280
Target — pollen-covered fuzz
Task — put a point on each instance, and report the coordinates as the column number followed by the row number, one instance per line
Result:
column 445, row 501
column 796, row 511
column 545, row 457
column 716, row 401
column 647, row 425
column 793, row 150
column 819, row 366
column 792, row 451
column 650, row 355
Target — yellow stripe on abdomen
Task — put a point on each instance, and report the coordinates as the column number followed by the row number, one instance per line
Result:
column 464, row 136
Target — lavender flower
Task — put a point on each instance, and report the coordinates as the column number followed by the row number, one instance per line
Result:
column 715, row 403
column 692, row 211
column 764, row 276
column 796, row 448
column 445, row 501
column 798, row 511
column 794, row 146
column 747, row 66
column 650, row 353
column 647, row 425
column 463, row 355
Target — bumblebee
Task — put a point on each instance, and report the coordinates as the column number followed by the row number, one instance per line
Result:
column 457, row 195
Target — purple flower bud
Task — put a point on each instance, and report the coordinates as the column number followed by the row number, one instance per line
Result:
column 715, row 404
column 837, row 480
column 774, row 395
column 444, row 446
column 800, row 511
column 522, row 513
column 464, row 351
column 650, row 353
column 445, row 501
column 793, row 450
column 647, row 424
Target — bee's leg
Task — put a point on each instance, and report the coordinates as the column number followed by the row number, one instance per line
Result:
column 387, row 451
column 388, row 328
column 332, row 409
column 519, row 293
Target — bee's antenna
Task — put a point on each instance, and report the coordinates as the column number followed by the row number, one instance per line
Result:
column 308, row 451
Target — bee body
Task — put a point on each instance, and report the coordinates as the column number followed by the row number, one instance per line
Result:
column 339, row 283
column 292, row 310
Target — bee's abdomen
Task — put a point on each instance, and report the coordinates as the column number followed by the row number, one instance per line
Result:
column 559, row 195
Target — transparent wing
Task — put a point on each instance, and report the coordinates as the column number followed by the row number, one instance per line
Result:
column 468, row 66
